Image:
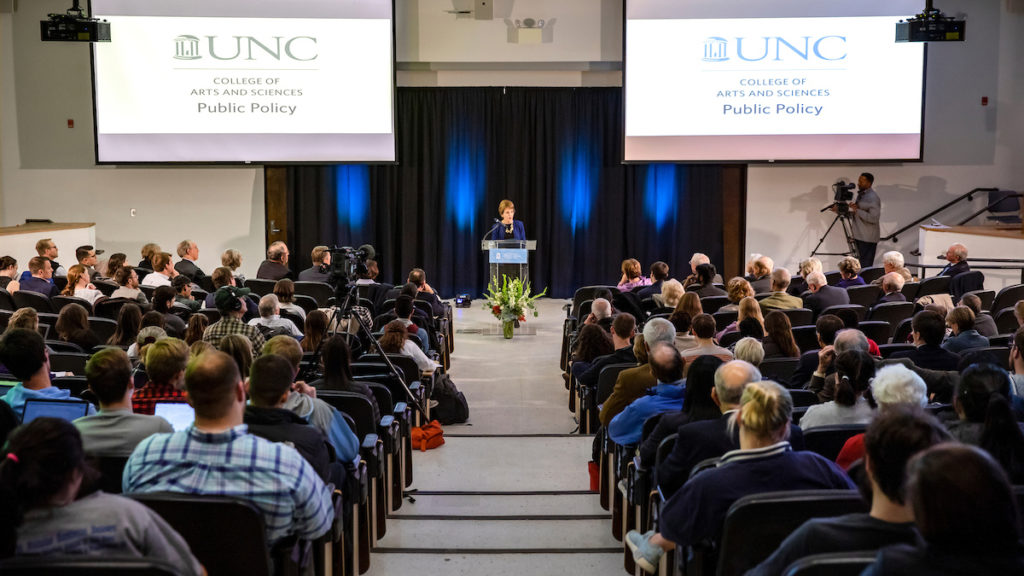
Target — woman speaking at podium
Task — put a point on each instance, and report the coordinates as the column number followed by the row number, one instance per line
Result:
column 508, row 228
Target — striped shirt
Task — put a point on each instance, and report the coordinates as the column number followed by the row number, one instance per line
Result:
column 273, row 477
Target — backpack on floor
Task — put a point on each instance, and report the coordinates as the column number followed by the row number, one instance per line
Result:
column 427, row 437
column 452, row 407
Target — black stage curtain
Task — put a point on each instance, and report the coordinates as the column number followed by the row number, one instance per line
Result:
column 555, row 152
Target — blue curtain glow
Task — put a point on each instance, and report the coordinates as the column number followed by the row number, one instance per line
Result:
column 662, row 188
column 578, row 180
column 465, row 178
column 352, row 193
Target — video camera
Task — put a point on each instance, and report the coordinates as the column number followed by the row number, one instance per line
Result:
column 842, row 194
column 347, row 264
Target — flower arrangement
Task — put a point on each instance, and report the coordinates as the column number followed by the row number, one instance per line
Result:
column 510, row 302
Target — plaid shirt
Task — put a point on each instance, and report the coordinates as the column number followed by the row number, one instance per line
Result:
column 234, row 463
column 230, row 325
column 144, row 399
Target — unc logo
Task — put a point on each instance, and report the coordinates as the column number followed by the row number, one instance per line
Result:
column 186, row 47
column 715, row 49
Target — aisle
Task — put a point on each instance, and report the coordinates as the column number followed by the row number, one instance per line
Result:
column 507, row 493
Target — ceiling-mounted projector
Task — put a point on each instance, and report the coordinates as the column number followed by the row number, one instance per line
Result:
column 930, row 26
column 74, row 27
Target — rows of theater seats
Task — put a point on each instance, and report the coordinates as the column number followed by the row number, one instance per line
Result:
column 226, row 535
column 757, row 524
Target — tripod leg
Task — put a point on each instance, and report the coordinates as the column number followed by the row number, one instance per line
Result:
column 825, row 235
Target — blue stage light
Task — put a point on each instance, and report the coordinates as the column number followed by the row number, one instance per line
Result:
column 662, row 188
column 352, row 191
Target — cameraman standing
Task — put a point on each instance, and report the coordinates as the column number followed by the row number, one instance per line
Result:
column 864, row 214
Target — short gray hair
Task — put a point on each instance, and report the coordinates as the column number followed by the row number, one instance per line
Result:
column 780, row 278
column 750, row 350
column 268, row 305
column 732, row 377
column 276, row 250
column 601, row 308
column 809, row 265
column 698, row 259
column 659, row 330
column 893, row 258
column 850, row 339
column 892, row 282
column 816, row 278
column 959, row 250
column 897, row 384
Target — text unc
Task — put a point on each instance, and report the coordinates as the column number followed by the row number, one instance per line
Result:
column 746, row 109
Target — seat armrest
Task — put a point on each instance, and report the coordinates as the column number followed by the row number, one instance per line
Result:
column 386, row 421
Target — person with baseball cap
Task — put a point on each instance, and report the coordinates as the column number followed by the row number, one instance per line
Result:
column 230, row 302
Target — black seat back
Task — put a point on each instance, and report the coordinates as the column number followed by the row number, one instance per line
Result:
column 7, row 301
column 892, row 312
column 933, row 285
column 806, row 338
column 876, row 330
column 260, row 286
column 355, row 405
column 1007, row 297
column 711, row 304
column 860, row 310
column 111, row 469
column 865, row 295
column 103, row 328
column 779, row 369
column 836, row 564
column 799, row 316
column 829, row 440
column 606, row 379
column 966, row 282
column 59, row 302
column 29, row 299
column 319, row 291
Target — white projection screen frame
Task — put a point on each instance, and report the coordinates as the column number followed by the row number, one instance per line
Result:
column 815, row 81
column 245, row 81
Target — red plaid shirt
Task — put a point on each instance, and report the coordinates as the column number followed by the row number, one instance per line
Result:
column 144, row 399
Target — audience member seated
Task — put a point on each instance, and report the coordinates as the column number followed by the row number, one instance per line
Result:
column 659, row 273
column 50, row 505
column 667, row 367
column 690, row 304
column 632, row 275
column 600, row 313
column 797, row 286
column 779, row 299
column 40, row 278
column 985, row 419
column 929, row 328
column 165, row 364
column 632, row 383
column 696, row 260
column 303, row 402
column 275, row 267
column 115, row 430
column 822, row 382
column 368, row 277
column 966, row 514
column 849, row 269
column 48, row 249
column 894, row 386
column 270, row 321
column 128, row 281
column 983, row 323
column 748, row 308
column 9, row 274
column 683, row 324
column 704, row 285
column 269, row 385
column 852, row 404
column 79, row 285
column 86, row 256
column 315, row 331
column 223, row 276
column 764, row 463
column 892, row 286
column 336, row 360
column 891, row 440
column 671, row 291
column 149, row 251
column 956, row 255
column 623, row 330
column 320, row 271
column 749, row 328
column 73, row 326
column 188, row 252
column 112, row 264
column 761, row 275
column 129, row 322
column 892, row 261
column 698, row 405
column 232, row 260
column 23, row 353
column 704, row 330
column 822, row 295
column 592, row 342
column 163, row 271
column 395, row 340
column 217, row 456
column 150, row 332
column 197, row 325
column 240, row 349
column 231, row 305
column 749, row 350
column 961, row 321
column 163, row 301
column 285, row 292
column 26, row 318
column 737, row 289
column 778, row 339
column 852, row 321
column 183, row 293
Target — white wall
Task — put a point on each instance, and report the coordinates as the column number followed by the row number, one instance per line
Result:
column 47, row 169
column 967, row 146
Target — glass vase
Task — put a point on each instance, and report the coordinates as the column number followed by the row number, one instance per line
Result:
column 506, row 327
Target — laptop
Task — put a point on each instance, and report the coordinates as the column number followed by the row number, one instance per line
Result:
column 179, row 414
column 43, row 330
column 45, row 407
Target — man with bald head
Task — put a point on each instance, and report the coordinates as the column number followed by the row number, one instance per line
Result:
column 633, row 383
column 217, row 456
column 780, row 299
column 956, row 255
column 667, row 366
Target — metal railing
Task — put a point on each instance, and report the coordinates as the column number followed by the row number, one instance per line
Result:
column 968, row 196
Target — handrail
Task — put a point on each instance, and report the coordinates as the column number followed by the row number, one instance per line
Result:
column 970, row 196
column 989, row 207
column 922, row 268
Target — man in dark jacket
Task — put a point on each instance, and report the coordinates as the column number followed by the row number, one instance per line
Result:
column 929, row 328
column 270, row 381
column 956, row 255
column 822, row 295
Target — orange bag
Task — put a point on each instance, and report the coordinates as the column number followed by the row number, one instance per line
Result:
column 428, row 436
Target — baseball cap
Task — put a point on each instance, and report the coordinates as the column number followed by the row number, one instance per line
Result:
column 226, row 297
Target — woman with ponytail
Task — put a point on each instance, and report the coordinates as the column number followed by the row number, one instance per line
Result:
column 855, row 369
column 49, row 505
column 982, row 403
column 764, row 463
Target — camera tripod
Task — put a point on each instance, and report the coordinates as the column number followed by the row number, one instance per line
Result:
column 843, row 218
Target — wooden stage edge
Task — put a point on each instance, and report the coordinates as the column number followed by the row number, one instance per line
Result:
column 1010, row 233
column 41, row 227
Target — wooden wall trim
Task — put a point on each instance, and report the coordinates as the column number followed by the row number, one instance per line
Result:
column 734, row 219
